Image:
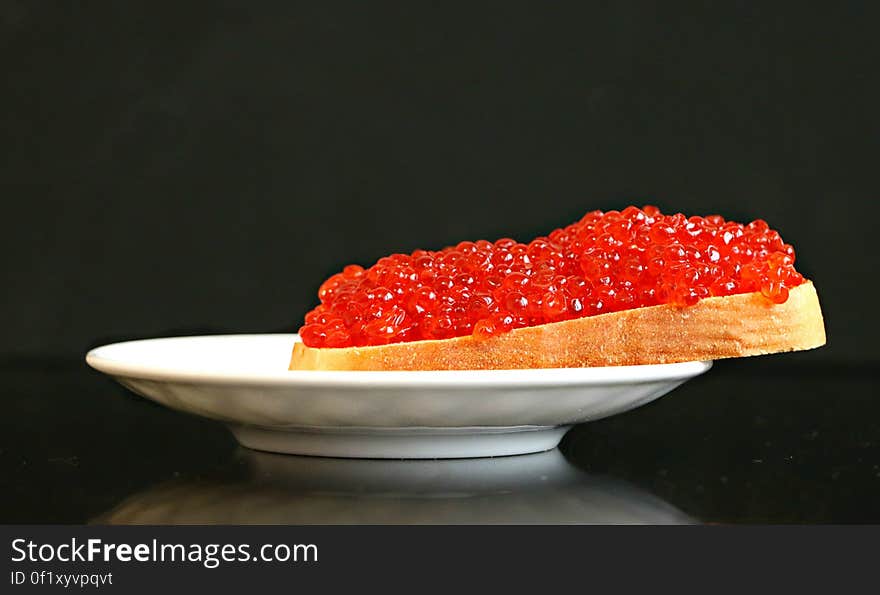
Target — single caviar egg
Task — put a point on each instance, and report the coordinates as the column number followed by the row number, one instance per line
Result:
column 606, row 262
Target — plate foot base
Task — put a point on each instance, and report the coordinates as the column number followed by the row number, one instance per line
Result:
column 401, row 443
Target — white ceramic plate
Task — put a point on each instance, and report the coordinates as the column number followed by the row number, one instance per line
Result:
column 243, row 381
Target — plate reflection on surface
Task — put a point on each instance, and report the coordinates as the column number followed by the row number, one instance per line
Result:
column 281, row 489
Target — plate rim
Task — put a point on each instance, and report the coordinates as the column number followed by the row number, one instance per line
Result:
column 608, row 375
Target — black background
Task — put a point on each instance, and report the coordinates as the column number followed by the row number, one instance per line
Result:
column 184, row 167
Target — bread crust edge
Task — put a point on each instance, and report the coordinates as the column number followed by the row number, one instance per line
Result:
column 714, row 328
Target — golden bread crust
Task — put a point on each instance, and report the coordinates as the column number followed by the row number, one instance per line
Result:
column 714, row 328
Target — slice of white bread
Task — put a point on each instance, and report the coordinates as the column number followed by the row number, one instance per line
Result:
column 713, row 328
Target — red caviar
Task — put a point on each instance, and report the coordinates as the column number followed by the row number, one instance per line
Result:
column 605, row 262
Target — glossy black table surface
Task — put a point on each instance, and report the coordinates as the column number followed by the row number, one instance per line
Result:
column 767, row 440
